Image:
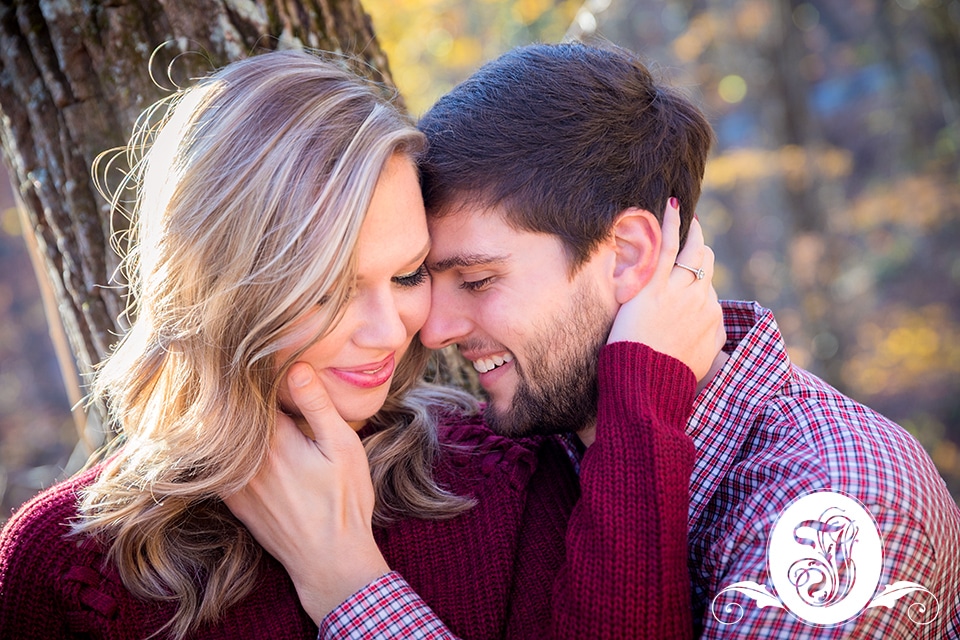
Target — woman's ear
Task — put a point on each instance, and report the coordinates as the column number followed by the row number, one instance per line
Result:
column 637, row 237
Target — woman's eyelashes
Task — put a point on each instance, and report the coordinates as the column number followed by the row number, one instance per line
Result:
column 414, row 279
column 410, row 280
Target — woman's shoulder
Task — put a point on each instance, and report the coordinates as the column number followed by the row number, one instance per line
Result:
column 42, row 525
column 44, row 567
column 469, row 442
column 469, row 428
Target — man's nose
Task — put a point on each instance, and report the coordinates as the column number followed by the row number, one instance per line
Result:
column 448, row 321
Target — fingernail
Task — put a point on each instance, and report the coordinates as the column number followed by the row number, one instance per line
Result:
column 674, row 203
column 299, row 376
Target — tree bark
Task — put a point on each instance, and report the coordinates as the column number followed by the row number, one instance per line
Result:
column 74, row 76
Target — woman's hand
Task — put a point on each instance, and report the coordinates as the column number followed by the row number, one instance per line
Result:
column 677, row 313
column 311, row 504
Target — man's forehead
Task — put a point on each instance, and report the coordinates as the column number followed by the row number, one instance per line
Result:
column 465, row 230
column 467, row 213
column 466, row 224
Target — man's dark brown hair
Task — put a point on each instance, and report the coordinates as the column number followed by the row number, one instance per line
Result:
column 563, row 138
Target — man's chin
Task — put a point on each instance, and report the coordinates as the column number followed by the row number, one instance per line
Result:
column 504, row 422
column 514, row 423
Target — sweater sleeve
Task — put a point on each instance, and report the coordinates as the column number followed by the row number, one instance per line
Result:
column 625, row 573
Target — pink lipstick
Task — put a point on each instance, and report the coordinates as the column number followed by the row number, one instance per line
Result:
column 367, row 376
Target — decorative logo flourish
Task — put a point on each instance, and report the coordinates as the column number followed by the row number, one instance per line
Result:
column 826, row 578
column 824, row 558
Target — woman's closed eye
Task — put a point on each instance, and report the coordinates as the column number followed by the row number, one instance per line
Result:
column 414, row 279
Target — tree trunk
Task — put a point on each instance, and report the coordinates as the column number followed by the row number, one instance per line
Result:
column 74, row 76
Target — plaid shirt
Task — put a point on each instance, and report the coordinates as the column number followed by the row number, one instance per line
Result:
column 768, row 432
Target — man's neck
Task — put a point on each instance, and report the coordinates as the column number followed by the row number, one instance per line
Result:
column 588, row 434
column 718, row 363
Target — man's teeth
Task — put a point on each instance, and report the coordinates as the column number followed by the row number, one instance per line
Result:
column 489, row 364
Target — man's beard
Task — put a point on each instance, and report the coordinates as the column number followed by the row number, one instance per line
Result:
column 557, row 386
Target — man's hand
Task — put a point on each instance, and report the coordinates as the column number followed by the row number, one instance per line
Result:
column 676, row 313
column 311, row 504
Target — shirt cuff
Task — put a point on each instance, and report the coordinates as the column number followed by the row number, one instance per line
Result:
column 386, row 608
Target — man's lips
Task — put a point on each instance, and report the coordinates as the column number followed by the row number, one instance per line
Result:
column 367, row 376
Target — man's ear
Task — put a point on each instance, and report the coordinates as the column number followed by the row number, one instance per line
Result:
column 637, row 237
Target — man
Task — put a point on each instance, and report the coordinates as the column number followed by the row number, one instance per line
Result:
column 532, row 162
column 542, row 141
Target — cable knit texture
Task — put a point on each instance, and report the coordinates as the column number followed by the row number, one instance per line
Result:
column 543, row 554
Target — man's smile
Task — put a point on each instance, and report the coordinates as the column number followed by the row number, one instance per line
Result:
column 489, row 363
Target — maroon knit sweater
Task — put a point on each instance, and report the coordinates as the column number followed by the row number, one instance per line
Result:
column 543, row 554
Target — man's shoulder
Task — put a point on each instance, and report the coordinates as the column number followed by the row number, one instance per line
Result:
column 808, row 437
column 781, row 426
column 817, row 440
column 857, row 448
column 802, row 425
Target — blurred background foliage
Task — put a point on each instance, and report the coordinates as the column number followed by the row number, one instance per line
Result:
column 832, row 196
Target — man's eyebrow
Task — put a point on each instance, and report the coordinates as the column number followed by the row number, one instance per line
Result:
column 465, row 260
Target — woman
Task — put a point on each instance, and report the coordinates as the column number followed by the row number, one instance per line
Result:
column 278, row 218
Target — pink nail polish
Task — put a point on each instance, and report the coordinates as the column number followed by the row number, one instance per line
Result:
column 674, row 203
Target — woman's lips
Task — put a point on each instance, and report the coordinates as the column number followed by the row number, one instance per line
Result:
column 367, row 376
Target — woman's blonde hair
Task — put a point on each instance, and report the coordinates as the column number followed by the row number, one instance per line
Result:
column 251, row 188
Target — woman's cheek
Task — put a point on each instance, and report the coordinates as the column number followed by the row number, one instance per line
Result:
column 416, row 308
